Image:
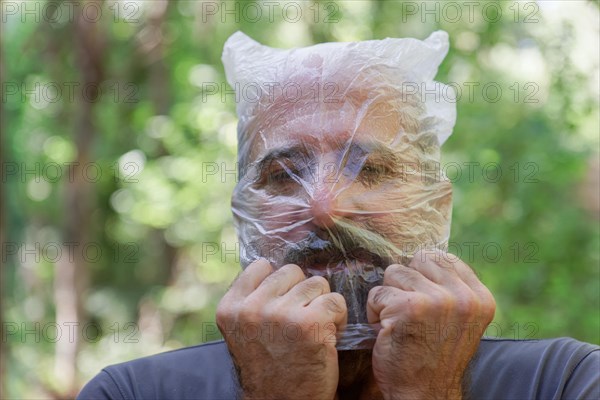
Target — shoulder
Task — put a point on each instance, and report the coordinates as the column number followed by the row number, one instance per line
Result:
column 199, row 372
column 547, row 368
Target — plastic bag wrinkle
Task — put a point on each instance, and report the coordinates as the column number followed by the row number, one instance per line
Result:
column 337, row 149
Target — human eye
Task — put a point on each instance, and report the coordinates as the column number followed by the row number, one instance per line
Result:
column 372, row 169
column 277, row 174
column 374, row 172
column 280, row 176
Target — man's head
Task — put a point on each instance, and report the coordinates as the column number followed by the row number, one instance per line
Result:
column 338, row 157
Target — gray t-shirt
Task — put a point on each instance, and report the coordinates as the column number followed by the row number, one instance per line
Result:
column 502, row 369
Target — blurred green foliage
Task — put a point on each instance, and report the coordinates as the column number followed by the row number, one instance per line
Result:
column 156, row 202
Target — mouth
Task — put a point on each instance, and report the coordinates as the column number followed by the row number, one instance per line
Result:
column 352, row 274
column 350, row 269
column 323, row 262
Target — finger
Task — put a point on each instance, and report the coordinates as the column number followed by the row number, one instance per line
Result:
column 466, row 273
column 250, row 278
column 334, row 305
column 435, row 265
column 381, row 297
column 470, row 278
column 406, row 278
column 389, row 307
column 464, row 278
column 280, row 281
column 307, row 290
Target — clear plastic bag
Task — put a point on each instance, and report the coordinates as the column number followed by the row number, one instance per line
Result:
column 338, row 154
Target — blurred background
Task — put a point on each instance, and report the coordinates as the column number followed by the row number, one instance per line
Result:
column 118, row 155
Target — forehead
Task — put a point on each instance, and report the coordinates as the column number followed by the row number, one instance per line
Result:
column 326, row 128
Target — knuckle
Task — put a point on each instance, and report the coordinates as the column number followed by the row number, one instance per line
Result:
column 279, row 271
column 315, row 283
column 487, row 302
column 249, row 313
column 489, row 309
column 273, row 312
column 394, row 269
column 307, row 290
column 288, row 270
column 273, row 278
column 224, row 314
column 446, row 261
column 465, row 307
column 438, row 255
column 338, row 297
column 396, row 272
column 335, row 303
column 292, row 269
column 415, row 260
column 451, row 258
column 409, row 277
column 374, row 295
column 420, row 257
column 226, row 317
column 318, row 282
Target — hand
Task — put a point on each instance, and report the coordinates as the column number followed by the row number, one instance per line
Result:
column 280, row 330
column 432, row 315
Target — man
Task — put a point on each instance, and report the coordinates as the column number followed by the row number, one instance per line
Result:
column 345, row 292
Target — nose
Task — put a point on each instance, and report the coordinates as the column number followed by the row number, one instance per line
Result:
column 325, row 207
column 322, row 206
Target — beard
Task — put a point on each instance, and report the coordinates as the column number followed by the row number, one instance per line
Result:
column 351, row 254
column 351, row 263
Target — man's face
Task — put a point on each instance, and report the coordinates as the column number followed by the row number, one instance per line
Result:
column 337, row 189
